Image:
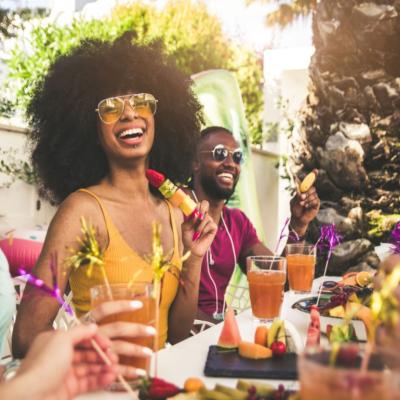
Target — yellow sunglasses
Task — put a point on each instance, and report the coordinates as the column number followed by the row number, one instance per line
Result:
column 111, row 109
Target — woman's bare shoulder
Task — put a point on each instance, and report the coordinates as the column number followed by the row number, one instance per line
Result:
column 79, row 204
column 70, row 212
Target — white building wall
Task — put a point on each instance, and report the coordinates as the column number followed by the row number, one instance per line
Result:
column 286, row 79
column 20, row 206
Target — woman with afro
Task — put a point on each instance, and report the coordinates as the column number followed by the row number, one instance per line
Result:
column 104, row 114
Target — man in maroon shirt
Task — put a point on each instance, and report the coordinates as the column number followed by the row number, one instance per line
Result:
column 216, row 173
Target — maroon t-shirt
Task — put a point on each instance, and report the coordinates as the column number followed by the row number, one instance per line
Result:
column 221, row 260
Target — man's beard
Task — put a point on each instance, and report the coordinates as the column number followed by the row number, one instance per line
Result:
column 213, row 190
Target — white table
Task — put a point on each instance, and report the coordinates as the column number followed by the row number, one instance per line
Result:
column 187, row 358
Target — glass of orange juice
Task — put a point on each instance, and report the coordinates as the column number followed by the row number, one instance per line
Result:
column 142, row 291
column 301, row 259
column 266, row 276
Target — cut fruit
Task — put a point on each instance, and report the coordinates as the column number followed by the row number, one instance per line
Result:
column 337, row 311
column 342, row 333
column 354, row 298
column 193, row 385
column 315, row 318
column 349, row 279
column 234, row 394
column 276, row 332
column 254, row 351
column 230, row 334
column 362, row 312
column 307, row 182
column 314, row 329
column 363, row 278
column 262, row 389
column 278, row 349
column 213, row 395
column 261, row 335
column 329, row 331
column 313, row 337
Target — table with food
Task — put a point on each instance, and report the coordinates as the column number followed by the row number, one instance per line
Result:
column 243, row 359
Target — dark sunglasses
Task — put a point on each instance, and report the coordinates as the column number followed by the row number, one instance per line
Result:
column 220, row 153
column 111, row 109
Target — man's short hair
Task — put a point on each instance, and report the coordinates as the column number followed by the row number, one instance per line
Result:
column 206, row 132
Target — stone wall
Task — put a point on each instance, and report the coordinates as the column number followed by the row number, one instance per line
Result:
column 350, row 126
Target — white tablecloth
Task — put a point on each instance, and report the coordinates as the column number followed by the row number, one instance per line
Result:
column 187, row 358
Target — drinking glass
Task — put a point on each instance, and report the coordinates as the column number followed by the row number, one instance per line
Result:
column 319, row 380
column 266, row 276
column 301, row 260
column 146, row 315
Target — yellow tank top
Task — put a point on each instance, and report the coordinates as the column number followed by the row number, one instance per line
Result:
column 121, row 264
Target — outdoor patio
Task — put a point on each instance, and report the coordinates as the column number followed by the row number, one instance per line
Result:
column 310, row 94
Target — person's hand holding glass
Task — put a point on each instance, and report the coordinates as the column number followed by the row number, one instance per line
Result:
column 129, row 320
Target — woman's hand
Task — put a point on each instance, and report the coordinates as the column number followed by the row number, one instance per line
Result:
column 197, row 235
column 63, row 364
column 119, row 331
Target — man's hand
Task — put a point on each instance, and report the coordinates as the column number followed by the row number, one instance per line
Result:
column 304, row 208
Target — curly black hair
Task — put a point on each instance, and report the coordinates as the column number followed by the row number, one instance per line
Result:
column 66, row 150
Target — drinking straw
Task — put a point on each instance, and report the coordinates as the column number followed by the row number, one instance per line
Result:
column 52, row 292
column 56, row 294
column 160, row 264
column 329, row 239
column 281, row 235
column 91, row 255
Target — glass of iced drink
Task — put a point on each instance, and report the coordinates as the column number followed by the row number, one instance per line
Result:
column 301, row 259
column 266, row 276
column 345, row 380
column 146, row 315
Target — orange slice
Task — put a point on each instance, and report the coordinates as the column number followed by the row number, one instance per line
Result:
column 363, row 278
column 307, row 182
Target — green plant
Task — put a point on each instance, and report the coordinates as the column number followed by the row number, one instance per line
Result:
column 381, row 224
column 288, row 11
column 180, row 25
column 16, row 168
column 248, row 70
column 6, row 107
column 11, row 21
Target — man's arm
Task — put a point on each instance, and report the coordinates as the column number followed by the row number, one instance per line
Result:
column 258, row 249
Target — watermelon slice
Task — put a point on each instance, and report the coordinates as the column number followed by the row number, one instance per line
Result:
column 230, row 335
column 314, row 329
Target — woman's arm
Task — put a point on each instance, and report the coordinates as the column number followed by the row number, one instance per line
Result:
column 37, row 311
column 184, row 308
